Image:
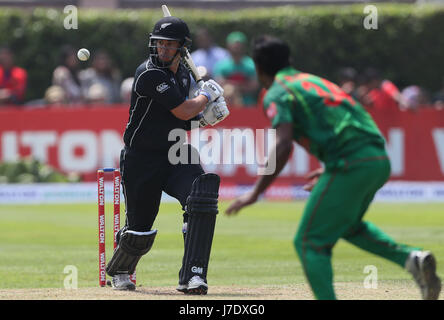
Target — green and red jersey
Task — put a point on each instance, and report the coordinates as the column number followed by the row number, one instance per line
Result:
column 326, row 121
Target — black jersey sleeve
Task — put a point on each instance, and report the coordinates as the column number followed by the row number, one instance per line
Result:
column 157, row 84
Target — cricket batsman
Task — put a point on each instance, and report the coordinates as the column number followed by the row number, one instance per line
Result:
column 332, row 126
column 161, row 102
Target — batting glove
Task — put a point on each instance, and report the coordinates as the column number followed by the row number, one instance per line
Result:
column 214, row 113
column 212, row 90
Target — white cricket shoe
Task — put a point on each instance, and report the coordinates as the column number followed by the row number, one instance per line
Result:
column 422, row 265
column 122, row 282
column 182, row 288
column 196, row 286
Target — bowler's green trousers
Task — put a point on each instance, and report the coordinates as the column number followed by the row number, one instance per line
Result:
column 335, row 210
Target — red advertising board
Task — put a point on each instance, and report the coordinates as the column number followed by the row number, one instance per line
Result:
column 83, row 139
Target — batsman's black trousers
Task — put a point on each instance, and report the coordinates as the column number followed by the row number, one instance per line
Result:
column 144, row 176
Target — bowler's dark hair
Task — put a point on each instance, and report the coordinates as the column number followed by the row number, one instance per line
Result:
column 270, row 54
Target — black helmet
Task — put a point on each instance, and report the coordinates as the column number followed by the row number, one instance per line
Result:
column 169, row 28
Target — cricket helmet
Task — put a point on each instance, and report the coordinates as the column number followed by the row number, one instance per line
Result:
column 169, row 28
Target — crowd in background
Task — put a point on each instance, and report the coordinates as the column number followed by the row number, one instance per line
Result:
column 102, row 83
column 99, row 84
column 375, row 92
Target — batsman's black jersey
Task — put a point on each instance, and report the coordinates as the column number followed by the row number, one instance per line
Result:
column 155, row 92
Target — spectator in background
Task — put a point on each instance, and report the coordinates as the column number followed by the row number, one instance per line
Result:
column 97, row 94
column 414, row 97
column 13, row 79
column 102, row 72
column 55, row 95
column 208, row 53
column 379, row 94
column 347, row 80
column 66, row 75
column 126, row 89
column 237, row 73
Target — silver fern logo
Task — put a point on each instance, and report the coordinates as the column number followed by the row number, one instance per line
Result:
column 164, row 25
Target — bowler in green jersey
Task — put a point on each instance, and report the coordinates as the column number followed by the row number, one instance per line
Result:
column 337, row 130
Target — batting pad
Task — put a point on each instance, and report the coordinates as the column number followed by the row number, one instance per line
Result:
column 202, row 209
column 132, row 246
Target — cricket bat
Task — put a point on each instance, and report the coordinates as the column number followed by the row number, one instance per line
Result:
column 188, row 60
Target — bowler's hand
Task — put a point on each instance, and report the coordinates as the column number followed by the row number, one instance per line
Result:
column 312, row 178
column 240, row 202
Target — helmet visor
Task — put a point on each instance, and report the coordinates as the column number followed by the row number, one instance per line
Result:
column 163, row 51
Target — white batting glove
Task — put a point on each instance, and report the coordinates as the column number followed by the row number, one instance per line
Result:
column 220, row 109
column 214, row 113
column 212, row 90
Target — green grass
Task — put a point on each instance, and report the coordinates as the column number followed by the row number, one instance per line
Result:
column 252, row 249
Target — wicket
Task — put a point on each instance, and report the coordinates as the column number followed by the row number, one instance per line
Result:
column 116, row 220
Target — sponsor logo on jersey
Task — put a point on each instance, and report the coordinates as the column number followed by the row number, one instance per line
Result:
column 184, row 82
column 162, row 87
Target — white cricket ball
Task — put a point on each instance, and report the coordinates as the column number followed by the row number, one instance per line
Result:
column 83, row 54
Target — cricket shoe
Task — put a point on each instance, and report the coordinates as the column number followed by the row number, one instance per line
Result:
column 182, row 288
column 196, row 286
column 422, row 265
column 122, row 282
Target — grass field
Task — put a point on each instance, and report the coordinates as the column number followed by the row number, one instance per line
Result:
column 252, row 251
